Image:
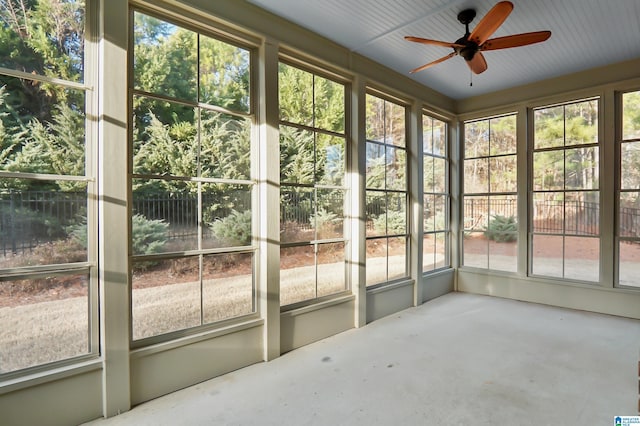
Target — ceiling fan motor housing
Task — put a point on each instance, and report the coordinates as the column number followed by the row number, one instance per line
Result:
column 468, row 51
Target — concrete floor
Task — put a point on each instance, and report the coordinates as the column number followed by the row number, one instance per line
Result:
column 460, row 359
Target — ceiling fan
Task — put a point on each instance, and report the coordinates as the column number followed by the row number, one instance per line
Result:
column 472, row 44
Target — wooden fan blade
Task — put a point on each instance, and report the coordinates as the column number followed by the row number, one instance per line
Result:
column 434, row 42
column 477, row 64
column 491, row 21
column 437, row 61
column 515, row 40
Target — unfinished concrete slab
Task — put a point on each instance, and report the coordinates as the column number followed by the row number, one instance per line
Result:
column 459, row 359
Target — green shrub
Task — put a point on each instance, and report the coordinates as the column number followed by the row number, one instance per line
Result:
column 324, row 220
column 394, row 222
column 148, row 236
column 234, row 229
column 502, row 229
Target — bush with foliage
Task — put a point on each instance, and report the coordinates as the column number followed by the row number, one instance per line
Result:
column 502, row 229
column 234, row 229
column 394, row 222
column 324, row 221
column 148, row 236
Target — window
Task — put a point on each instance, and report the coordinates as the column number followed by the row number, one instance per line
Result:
column 48, row 292
column 435, row 247
column 191, row 179
column 566, row 200
column 490, row 194
column 629, row 202
column 387, row 230
column 312, row 186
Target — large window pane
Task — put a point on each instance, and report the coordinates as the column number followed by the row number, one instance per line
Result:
column 548, row 212
column 376, row 165
column 476, row 213
column 582, row 258
column 331, row 269
column 630, row 115
column 329, row 105
column 376, row 212
column 165, row 216
column 629, row 214
column 224, row 74
column 396, row 214
column 297, row 274
column 549, row 127
column 581, row 123
column 629, row 264
column 490, row 194
column 42, row 130
column 396, row 177
column 226, row 215
column 397, row 258
column 566, row 201
column 328, row 219
column 503, row 135
column 297, row 211
column 548, row 170
column 295, row 88
column 165, row 138
column 297, row 156
column 476, row 250
column 630, row 165
column 395, row 133
column 227, row 286
column 476, row 175
column 375, row 120
column 330, row 159
column 503, row 174
column 43, row 320
column 45, row 225
column 376, row 263
column 476, row 139
column 191, row 179
column 165, row 60
column 165, row 296
column 225, row 146
column 581, row 168
column 312, row 193
column 582, row 213
column 44, row 40
column 547, row 255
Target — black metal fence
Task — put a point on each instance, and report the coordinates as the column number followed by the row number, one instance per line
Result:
column 550, row 216
column 29, row 218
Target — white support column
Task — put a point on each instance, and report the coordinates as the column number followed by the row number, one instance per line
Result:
column 269, row 189
column 456, row 141
column 356, row 169
column 416, row 197
column 608, row 185
column 522, row 184
column 113, row 228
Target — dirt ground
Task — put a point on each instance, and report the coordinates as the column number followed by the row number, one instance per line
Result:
column 19, row 293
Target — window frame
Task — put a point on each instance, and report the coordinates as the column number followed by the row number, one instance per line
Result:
column 200, row 253
column 88, row 86
column 292, row 60
column 488, row 194
column 446, row 156
column 619, row 190
column 600, row 146
column 397, row 102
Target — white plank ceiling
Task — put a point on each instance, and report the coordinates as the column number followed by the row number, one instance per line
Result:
column 585, row 34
